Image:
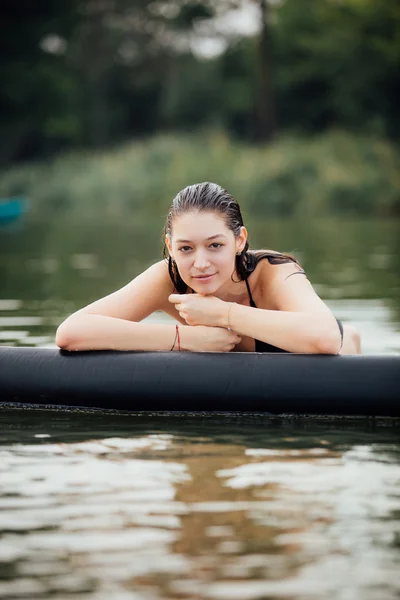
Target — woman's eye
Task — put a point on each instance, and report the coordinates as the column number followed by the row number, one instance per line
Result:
column 214, row 245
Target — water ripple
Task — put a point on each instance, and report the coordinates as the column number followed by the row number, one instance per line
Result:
column 164, row 515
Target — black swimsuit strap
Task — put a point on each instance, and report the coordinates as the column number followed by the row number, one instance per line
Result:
column 341, row 332
column 252, row 303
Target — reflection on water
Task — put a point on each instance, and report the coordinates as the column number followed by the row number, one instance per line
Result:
column 97, row 505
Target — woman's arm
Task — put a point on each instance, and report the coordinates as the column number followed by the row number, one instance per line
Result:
column 112, row 323
column 85, row 331
column 292, row 331
column 301, row 322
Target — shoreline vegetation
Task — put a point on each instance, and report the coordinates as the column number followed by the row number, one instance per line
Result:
column 333, row 173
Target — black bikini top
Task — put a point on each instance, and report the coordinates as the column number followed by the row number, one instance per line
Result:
column 261, row 346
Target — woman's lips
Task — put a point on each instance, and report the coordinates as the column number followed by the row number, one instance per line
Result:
column 203, row 278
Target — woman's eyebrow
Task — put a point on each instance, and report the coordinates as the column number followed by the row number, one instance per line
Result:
column 212, row 237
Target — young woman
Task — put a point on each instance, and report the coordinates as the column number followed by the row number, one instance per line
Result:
column 223, row 295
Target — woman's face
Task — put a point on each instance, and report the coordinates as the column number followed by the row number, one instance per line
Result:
column 204, row 250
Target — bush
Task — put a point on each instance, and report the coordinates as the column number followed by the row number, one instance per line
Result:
column 334, row 173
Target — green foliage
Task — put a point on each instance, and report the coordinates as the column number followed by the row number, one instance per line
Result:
column 92, row 74
column 337, row 63
column 332, row 173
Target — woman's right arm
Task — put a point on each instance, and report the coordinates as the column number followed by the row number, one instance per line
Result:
column 113, row 322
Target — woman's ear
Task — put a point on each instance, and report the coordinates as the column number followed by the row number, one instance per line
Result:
column 241, row 239
column 169, row 245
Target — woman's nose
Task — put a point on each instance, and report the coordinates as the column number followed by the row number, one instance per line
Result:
column 201, row 261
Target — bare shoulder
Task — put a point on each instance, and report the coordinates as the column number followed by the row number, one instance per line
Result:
column 287, row 287
column 145, row 294
column 270, row 274
column 284, row 286
column 156, row 276
column 283, row 271
column 159, row 270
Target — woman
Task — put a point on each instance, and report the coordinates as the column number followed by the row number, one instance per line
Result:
column 224, row 296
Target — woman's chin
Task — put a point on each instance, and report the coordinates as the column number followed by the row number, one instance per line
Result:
column 205, row 287
column 209, row 287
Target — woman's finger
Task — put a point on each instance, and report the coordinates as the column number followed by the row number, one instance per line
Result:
column 175, row 298
column 235, row 339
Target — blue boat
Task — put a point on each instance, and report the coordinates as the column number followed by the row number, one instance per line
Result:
column 12, row 208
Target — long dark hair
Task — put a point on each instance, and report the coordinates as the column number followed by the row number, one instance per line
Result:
column 210, row 197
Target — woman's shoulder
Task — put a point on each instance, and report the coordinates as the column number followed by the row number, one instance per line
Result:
column 157, row 274
column 143, row 295
column 273, row 256
column 273, row 266
column 159, row 268
column 154, row 279
column 270, row 276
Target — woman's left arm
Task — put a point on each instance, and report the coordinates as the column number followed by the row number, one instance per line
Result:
column 301, row 321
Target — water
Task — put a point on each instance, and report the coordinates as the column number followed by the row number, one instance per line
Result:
column 97, row 504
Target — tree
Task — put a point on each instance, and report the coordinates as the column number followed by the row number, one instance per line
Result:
column 265, row 101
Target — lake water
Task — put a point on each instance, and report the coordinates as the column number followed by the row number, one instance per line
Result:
column 97, row 505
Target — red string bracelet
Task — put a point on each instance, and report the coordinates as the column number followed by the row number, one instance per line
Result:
column 176, row 335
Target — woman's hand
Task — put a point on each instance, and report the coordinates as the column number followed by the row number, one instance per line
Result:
column 196, row 309
column 208, row 339
column 206, row 313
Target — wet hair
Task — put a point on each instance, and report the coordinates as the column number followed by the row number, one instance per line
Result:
column 211, row 197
